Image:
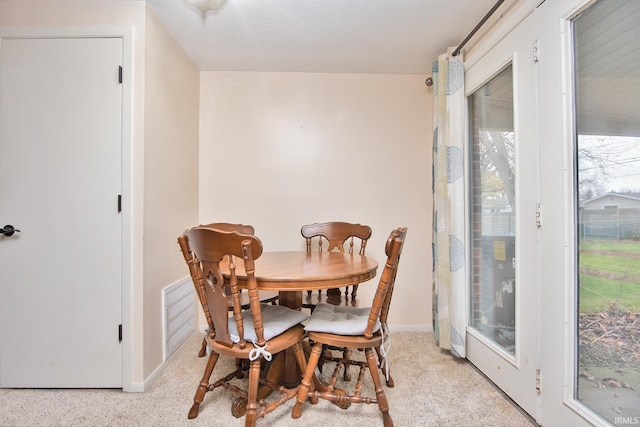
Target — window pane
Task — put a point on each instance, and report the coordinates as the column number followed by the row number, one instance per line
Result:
column 493, row 210
column 607, row 67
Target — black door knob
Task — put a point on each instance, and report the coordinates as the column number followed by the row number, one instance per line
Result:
column 8, row 230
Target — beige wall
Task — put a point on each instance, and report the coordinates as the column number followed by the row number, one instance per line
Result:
column 279, row 150
column 172, row 84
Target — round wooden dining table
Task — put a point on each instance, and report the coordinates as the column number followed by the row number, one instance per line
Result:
column 292, row 272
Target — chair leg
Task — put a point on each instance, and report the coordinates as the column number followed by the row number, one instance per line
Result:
column 306, row 384
column 380, row 395
column 324, row 356
column 203, row 387
column 389, row 379
column 298, row 350
column 346, row 356
column 252, row 397
column 203, row 348
column 239, row 363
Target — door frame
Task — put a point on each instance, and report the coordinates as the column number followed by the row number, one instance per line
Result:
column 126, row 34
column 558, row 360
column 515, row 374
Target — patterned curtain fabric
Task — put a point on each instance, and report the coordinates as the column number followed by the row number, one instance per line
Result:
column 449, row 287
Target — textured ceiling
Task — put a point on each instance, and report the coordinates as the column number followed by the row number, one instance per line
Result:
column 328, row 36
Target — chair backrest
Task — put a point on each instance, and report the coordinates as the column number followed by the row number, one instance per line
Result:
column 336, row 234
column 382, row 299
column 204, row 250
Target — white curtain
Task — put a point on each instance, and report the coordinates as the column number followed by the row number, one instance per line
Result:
column 449, row 303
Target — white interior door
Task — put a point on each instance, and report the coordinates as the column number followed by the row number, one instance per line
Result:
column 60, row 178
column 502, row 338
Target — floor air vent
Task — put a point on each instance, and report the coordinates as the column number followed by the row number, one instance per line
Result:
column 179, row 315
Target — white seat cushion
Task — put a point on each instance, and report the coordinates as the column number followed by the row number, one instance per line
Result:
column 275, row 318
column 340, row 320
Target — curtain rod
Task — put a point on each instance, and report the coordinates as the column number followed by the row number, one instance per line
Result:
column 477, row 27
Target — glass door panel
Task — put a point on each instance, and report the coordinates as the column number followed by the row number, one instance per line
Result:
column 493, row 195
column 606, row 40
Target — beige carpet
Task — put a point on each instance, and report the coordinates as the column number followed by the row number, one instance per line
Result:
column 431, row 389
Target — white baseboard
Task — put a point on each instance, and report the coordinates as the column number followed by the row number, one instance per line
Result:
column 411, row 328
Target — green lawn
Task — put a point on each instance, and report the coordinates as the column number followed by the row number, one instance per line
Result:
column 625, row 246
column 597, row 294
column 616, row 277
column 618, row 265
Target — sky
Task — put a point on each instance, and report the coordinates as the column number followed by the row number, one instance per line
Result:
column 614, row 162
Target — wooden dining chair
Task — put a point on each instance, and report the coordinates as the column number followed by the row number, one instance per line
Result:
column 355, row 328
column 253, row 335
column 333, row 236
column 267, row 297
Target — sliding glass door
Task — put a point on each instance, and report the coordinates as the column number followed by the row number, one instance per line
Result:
column 607, row 187
column 590, row 238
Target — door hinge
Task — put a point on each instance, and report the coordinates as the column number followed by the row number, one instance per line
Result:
column 120, row 74
column 119, row 333
column 535, row 50
column 119, row 203
column 538, row 381
column 539, row 215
